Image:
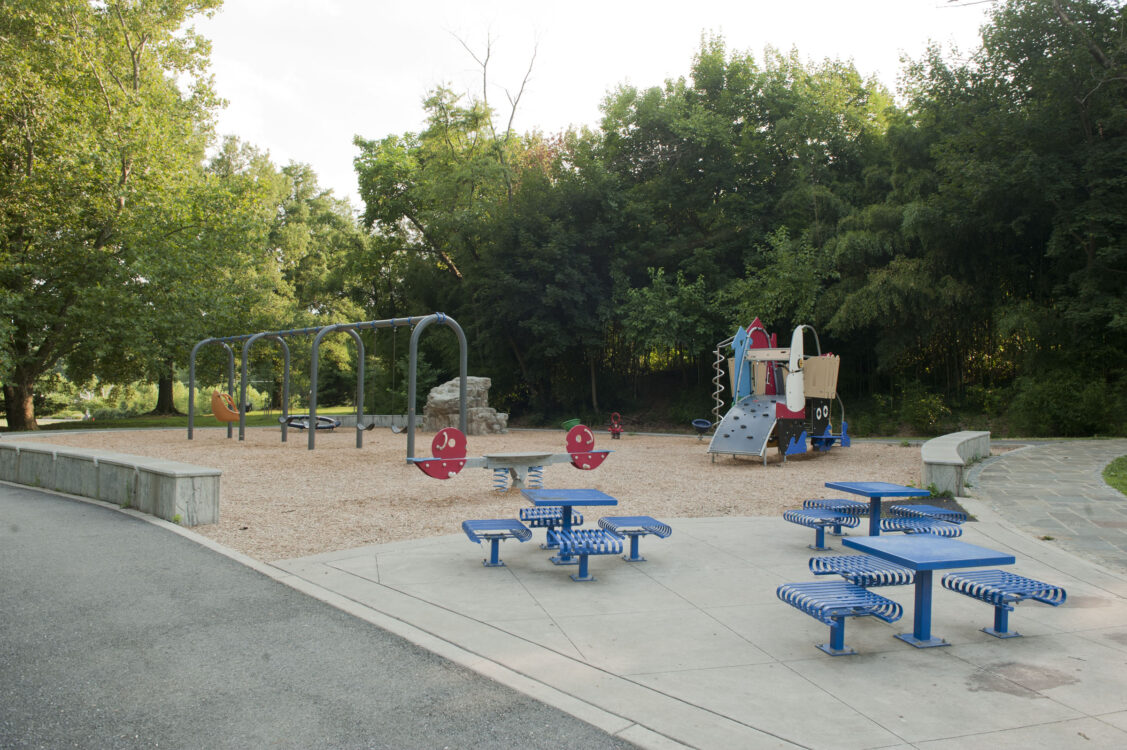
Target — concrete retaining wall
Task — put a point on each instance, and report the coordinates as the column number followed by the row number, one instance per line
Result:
column 76, row 471
column 36, row 466
column 9, row 461
column 171, row 490
column 946, row 458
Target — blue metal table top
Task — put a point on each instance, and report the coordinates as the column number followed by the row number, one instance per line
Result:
column 569, row 497
column 927, row 552
column 878, row 489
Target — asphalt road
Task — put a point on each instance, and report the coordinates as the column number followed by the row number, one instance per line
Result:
column 115, row 633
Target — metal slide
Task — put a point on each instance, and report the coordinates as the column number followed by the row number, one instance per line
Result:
column 746, row 428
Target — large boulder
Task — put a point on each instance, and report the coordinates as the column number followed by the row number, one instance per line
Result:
column 443, row 406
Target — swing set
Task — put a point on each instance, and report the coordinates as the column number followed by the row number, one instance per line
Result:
column 229, row 411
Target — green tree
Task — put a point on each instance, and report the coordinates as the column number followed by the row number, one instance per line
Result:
column 1000, row 245
column 437, row 191
column 541, row 295
column 741, row 176
column 787, row 289
column 207, row 270
column 670, row 321
column 93, row 127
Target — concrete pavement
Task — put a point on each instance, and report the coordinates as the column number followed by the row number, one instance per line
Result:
column 118, row 632
column 693, row 649
column 1056, row 491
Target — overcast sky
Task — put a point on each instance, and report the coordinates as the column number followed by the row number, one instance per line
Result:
column 302, row 77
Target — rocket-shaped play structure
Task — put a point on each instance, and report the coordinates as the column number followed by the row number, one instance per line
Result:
column 780, row 397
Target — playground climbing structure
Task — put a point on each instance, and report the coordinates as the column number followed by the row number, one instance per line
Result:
column 780, row 397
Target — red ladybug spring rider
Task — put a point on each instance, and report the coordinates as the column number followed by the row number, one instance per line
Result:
column 615, row 426
column 449, row 450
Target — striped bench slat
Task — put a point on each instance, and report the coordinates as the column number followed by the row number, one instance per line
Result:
column 1002, row 590
column 635, row 527
column 921, row 526
column 635, row 524
column 548, row 516
column 827, row 600
column 589, row 542
column 818, row 519
column 831, row 602
column 494, row 530
column 999, row 587
column 863, row 570
column 584, row 542
column 928, row 511
column 501, row 527
column 838, row 505
column 815, row 517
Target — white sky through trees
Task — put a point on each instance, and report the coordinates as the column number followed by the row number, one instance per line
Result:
column 302, row 77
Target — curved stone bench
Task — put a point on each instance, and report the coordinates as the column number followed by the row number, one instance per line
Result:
column 175, row 491
column 946, row 458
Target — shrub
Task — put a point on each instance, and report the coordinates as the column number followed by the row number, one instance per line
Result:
column 1064, row 404
column 923, row 411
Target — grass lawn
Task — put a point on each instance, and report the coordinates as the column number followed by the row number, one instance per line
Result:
column 1116, row 474
column 254, row 419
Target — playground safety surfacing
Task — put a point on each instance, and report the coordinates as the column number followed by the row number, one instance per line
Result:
column 693, row 649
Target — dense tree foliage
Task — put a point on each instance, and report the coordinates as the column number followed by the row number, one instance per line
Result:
column 964, row 243
column 97, row 138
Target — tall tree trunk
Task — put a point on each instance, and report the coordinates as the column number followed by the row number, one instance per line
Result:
column 165, row 383
column 523, row 369
column 164, row 396
column 594, row 388
column 19, row 407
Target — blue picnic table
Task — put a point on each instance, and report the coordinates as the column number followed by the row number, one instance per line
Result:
column 875, row 491
column 924, row 554
column 566, row 499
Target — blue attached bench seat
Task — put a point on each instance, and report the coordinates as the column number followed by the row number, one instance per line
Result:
column 494, row 530
column 634, row 527
column 548, row 517
column 863, row 570
column 818, row 519
column 839, row 504
column 1003, row 590
column 584, row 542
column 831, row 602
column 928, row 511
column 921, row 526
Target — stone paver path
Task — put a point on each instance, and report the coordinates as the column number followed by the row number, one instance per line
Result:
column 1057, row 490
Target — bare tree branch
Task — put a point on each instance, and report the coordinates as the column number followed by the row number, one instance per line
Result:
column 1093, row 48
column 514, row 102
column 484, row 65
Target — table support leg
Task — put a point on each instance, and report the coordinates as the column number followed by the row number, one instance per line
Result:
column 582, row 574
column 836, row 646
column 920, row 637
column 874, row 516
column 819, row 544
column 565, row 526
column 634, row 556
column 1001, row 627
column 494, row 560
column 550, row 539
